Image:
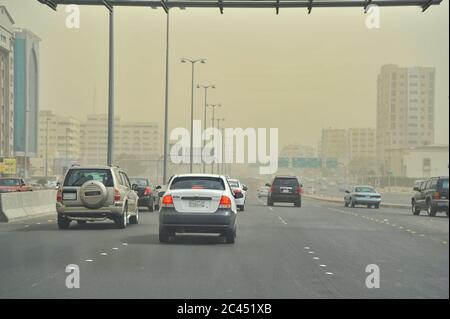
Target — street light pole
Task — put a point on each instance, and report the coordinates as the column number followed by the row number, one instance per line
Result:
column 212, row 126
column 191, row 151
column 46, row 150
column 110, row 157
column 206, row 87
column 218, row 127
column 166, row 104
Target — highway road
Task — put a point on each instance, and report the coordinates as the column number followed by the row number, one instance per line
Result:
column 318, row 251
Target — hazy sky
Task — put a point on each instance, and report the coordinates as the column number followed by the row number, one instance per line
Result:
column 294, row 71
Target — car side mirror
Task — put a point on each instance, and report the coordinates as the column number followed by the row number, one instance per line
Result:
column 267, row 184
column 301, row 185
column 161, row 194
column 416, row 189
column 347, row 191
column 134, row 187
column 245, row 188
column 158, row 187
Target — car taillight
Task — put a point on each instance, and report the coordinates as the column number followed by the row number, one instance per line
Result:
column 437, row 195
column 298, row 190
column 167, row 201
column 117, row 196
column 59, row 196
column 148, row 191
column 272, row 189
column 225, row 202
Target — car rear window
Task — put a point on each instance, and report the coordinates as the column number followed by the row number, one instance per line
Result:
column 233, row 183
column 444, row 184
column 141, row 182
column 364, row 190
column 77, row 177
column 286, row 182
column 9, row 182
column 189, row 182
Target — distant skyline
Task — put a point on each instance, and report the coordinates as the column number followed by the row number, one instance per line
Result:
column 294, row 71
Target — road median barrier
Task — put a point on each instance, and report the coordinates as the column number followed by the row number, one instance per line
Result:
column 22, row 205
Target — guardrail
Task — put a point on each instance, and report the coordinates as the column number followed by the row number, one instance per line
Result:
column 341, row 201
column 21, row 205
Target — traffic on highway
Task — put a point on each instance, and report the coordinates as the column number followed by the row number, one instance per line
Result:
column 221, row 157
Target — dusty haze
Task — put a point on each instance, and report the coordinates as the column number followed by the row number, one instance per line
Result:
column 294, row 71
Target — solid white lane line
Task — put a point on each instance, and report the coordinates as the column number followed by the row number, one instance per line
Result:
column 282, row 220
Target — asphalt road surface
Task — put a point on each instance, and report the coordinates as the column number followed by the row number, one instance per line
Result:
column 318, row 251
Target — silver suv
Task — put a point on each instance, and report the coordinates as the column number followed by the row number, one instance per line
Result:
column 95, row 193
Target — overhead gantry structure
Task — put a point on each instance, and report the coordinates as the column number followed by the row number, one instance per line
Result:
column 222, row 4
column 166, row 5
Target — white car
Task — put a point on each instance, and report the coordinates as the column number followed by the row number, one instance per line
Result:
column 198, row 203
column 263, row 191
column 238, row 187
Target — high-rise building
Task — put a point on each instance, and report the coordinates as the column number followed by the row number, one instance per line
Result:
column 133, row 141
column 405, row 110
column 6, row 83
column 334, row 144
column 361, row 143
column 58, row 144
column 26, row 103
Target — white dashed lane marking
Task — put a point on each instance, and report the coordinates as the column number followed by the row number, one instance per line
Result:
column 282, row 220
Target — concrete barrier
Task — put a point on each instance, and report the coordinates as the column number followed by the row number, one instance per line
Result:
column 16, row 206
column 341, row 201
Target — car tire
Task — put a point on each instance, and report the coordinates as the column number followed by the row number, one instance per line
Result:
column 345, row 203
column 352, row 204
column 163, row 235
column 157, row 206
column 135, row 219
column 369, row 206
column 298, row 204
column 81, row 222
column 151, row 206
column 230, row 236
column 430, row 210
column 377, row 206
column 63, row 222
column 414, row 209
column 241, row 208
column 121, row 220
column 269, row 202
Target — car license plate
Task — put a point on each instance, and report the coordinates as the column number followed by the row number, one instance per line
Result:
column 69, row 196
column 285, row 190
column 197, row 204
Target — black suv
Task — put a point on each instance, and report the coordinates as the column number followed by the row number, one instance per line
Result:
column 285, row 189
column 431, row 195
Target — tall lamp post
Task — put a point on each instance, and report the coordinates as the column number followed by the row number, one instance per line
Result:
column 218, row 127
column 46, row 149
column 191, row 151
column 212, row 124
column 205, row 87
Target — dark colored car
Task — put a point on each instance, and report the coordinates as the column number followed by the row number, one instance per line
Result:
column 431, row 195
column 147, row 192
column 285, row 189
